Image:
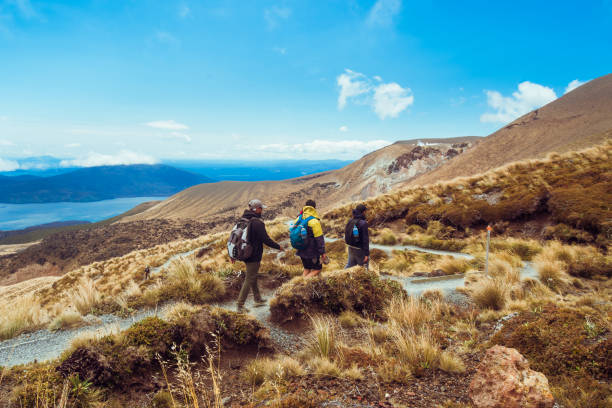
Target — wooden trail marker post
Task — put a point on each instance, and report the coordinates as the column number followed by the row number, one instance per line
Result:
column 488, row 245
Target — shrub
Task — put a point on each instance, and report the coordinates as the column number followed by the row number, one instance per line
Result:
column 355, row 289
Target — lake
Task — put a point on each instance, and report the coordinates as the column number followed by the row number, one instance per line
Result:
column 19, row 216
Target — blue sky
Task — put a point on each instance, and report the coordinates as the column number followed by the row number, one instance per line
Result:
column 138, row 81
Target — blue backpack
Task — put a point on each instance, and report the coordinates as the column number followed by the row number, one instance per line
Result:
column 298, row 233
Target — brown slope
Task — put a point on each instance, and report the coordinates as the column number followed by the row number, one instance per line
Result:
column 373, row 174
column 579, row 119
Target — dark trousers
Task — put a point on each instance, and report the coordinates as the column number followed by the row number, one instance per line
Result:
column 355, row 257
column 250, row 283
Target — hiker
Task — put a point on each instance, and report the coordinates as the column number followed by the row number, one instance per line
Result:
column 147, row 272
column 357, row 238
column 307, row 237
column 246, row 244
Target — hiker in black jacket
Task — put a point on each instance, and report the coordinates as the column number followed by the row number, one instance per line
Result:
column 357, row 238
column 257, row 236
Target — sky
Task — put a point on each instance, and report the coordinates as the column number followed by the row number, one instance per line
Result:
column 131, row 81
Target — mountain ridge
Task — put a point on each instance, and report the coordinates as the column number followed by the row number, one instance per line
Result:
column 98, row 183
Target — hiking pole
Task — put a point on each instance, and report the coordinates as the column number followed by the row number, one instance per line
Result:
column 488, row 244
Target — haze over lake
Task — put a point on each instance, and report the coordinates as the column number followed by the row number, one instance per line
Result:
column 18, row 216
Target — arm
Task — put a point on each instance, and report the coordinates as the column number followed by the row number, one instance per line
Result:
column 317, row 232
column 365, row 238
column 265, row 238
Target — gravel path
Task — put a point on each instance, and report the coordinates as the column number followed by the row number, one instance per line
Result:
column 44, row 345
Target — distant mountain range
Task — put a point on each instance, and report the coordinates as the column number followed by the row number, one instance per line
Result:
column 98, row 183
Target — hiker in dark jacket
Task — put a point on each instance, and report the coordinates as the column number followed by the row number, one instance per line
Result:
column 315, row 251
column 258, row 236
column 358, row 252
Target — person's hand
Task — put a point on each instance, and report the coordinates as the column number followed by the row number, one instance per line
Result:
column 324, row 257
column 366, row 259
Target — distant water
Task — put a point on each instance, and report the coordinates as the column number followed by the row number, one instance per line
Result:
column 19, row 216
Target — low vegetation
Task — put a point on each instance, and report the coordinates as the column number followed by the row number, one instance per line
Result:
column 354, row 289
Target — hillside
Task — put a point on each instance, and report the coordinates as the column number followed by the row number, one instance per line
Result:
column 578, row 119
column 377, row 172
column 98, row 183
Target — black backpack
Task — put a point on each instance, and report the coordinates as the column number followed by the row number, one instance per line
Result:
column 351, row 233
column 238, row 245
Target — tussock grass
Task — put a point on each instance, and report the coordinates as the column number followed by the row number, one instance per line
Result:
column 86, row 297
column 451, row 266
column 412, row 313
column 66, row 320
column 551, row 274
column 179, row 311
column 23, row 315
column 451, row 363
column 349, row 319
column 272, row 369
column 324, row 367
column 490, row 293
column 323, row 337
column 386, row 237
column 184, row 282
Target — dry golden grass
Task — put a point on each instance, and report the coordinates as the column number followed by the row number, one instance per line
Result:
column 323, row 337
column 24, row 314
column 324, row 367
column 490, row 293
column 67, row 320
column 451, row 266
column 412, row 313
column 85, row 297
column 180, row 310
column 272, row 369
column 451, row 363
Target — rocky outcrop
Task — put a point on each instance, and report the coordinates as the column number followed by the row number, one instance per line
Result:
column 504, row 380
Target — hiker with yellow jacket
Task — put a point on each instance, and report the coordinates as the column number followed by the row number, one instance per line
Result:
column 307, row 237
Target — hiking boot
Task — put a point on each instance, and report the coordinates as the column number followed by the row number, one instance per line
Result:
column 242, row 309
column 261, row 302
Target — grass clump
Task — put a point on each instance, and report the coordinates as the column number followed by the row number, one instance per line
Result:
column 23, row 314
column 272, row 369
column 86, row 297
column 67, row 320
column 185, row 282
column 386, row 237
column 490, row 293
column 323, row 338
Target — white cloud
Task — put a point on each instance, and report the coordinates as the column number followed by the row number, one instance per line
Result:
column 4, row 142
column 391, row 99
column 383, row 12
column 573, row 85
column 352, row 84
column 344, row 128
column 388, row 100
column 179, row 135
column 8, row 165
column 72, row 145
column 349, row 149
column 97, row 159
column 507, row 108
column 275, row 14
column 167, row 125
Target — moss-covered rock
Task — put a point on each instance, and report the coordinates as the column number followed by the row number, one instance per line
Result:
column 352, row 289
